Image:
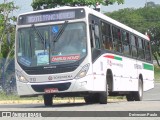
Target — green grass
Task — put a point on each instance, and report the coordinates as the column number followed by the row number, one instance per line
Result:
column 157, row 73
column 4, row 96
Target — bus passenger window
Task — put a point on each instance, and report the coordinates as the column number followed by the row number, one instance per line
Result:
column 96, row 36
column 133, row 46
column 106, row 36
column 140, row 49
column 125, row 40
column 107, row 43
column 147, row 51
column 91, row 35
column 117, row 39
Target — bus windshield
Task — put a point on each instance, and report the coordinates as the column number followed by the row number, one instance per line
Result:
column 52, row 44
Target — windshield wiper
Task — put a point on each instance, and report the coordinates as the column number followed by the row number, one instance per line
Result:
column 39, row 34
column 64, row 25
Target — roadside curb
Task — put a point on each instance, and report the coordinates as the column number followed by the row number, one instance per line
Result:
column 54, row 101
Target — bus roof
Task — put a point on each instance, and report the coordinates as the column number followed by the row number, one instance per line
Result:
column 52, row 9
column 98, row 14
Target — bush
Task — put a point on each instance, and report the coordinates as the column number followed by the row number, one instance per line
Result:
column 157, row 73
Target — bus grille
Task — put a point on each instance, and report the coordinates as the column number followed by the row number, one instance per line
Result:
column 59, row 86
column 49, row 71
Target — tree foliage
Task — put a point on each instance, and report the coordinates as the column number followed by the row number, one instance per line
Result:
column 7, row 30
column 7, row 35
column 45, row 4
column 144, row 20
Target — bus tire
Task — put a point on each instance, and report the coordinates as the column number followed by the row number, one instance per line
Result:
column 130, row 97
column 136, row 96
column 88, row 99
column 103, row 98
column 96, row 98
column 48, row 100
column 139, row 94
column 91, row 99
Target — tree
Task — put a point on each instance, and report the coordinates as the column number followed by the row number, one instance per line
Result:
column 45, row 4
column 144, row 20
column 154, row 35
column 7, row 33
column 6, row 28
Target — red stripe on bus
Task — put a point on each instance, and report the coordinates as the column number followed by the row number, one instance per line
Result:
column 109, row 56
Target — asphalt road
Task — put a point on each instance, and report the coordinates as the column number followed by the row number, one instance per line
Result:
column 151, row 102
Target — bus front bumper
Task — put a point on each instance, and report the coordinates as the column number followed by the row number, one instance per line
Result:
column 74, row 85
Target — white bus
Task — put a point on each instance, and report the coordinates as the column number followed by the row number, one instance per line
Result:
column 76, row 51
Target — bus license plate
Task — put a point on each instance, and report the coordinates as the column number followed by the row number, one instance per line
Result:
column 51, row 90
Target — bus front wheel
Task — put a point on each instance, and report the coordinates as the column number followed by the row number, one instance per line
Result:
column 48, row 100
column 103, row 96
column 93, row 98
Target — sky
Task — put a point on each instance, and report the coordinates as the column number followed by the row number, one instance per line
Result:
column 25, row 5
column 128, row 4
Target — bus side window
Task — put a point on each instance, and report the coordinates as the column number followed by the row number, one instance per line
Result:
column 96, row 36
column 106, row 36
column 133, row 46
column 91, row 35
column 117, row 39
column 140, row 49
column 147, row 51
column 125, row 40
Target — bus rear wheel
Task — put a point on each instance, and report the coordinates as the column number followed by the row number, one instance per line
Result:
column 136, row 96
column 48, row 100
column 139, row 95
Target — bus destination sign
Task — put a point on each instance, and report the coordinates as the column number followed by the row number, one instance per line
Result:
column 51, row 16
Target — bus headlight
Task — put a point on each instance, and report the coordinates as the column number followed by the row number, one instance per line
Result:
column 82, row 72
column 21, row 77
